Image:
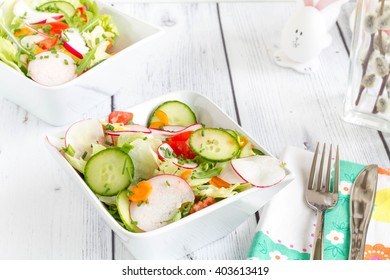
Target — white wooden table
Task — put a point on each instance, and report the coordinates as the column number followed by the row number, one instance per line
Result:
column 223, row 50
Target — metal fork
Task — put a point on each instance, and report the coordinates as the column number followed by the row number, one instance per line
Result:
column 321, row 197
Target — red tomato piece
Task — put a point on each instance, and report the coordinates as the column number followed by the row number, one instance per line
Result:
column 181, row 136
column 120, row 117
column 182, row 148
column 47, row 43
column 56, row 27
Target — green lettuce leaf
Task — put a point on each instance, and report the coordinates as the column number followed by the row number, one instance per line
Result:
column 108, row 25
column 144, row 157
column 92, row 15
column 77, row 163
column 211, row 191
column 8, row 54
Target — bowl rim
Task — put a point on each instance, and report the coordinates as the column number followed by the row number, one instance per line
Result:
column 197, row 215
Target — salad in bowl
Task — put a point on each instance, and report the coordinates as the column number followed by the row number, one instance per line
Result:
column 149, row 175
column 54, row 41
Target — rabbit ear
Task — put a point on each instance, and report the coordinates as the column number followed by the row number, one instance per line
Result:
column 308, row 3
column 330, row 10
column 323, row 4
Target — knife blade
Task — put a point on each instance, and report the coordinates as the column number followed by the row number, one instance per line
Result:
column 361, row 205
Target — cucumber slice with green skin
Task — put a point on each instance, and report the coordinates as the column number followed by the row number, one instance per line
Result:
column 178, row 114
column 214, row 144
column 58, row 6
column 109, row 171
column 123, row 205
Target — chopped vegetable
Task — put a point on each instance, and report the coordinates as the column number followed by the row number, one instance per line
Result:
column 140, row 192
column 120, row 117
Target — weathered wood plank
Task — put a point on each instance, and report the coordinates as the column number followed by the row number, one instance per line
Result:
column 43, row 214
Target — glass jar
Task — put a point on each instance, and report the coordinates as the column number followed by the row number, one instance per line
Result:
column 367, row 100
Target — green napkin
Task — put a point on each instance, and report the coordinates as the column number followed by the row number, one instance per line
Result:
column 286, row 227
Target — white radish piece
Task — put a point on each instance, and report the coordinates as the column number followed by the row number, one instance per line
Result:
column 56, row 142
column 165, row 149
column 129, row 128
column 260, row 171
column 52, row 69
column 74, row 42
column 169, row 192
column 22, row 10
column 81, row 135
column 38, row 31
column 172, row 130
column 29, row 41
column 230, row 176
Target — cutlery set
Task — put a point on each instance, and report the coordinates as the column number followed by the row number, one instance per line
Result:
column 321, row 195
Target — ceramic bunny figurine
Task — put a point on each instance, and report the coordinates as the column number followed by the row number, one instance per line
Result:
column 305, row 35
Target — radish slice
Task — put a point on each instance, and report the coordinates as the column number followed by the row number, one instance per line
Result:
column 29, row 41
column 56, row 142
column 43, row 34
column 169, row 192
column 130, row 128
column 260, row 171
column 162, row 151
column 172, row 130
column 229, row 175
column 74, row 42
column 22, row 10
column 82, row 134
column 52, row 69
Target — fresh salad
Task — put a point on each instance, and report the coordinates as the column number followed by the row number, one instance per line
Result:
column 54, row 41
column 150, row 176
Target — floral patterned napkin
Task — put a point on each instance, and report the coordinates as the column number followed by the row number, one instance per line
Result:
column 286, row 227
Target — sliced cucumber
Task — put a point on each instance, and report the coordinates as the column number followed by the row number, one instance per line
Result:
column 58, row 6
column 177, row 112
column 123, row 205
column 109, row 171
column 214, row 144
column 247, row 151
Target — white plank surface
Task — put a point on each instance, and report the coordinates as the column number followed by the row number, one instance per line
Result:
column 42, row 213
column 281, row 107
column 44, row 216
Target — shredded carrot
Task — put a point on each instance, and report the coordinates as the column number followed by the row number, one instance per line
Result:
column 38, row 50
column 162, row 116
column 157, row 125
column 186, row 174
column 384, row 171
column 140, row 192
column 219, row 183
column 24, row 31
column 243, row 141
column 109, row 45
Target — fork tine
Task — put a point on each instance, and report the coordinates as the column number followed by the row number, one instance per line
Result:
column 319, row 178
column 328, row 169
column 336, row 172
column 313, row 168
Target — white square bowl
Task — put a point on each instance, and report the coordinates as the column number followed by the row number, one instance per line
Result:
column 200, row 228
column 63, row 104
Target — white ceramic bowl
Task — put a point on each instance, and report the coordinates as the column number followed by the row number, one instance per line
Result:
column 60, row 105
column 196, row 230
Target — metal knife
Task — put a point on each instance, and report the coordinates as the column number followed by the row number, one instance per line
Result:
column 361, row 204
